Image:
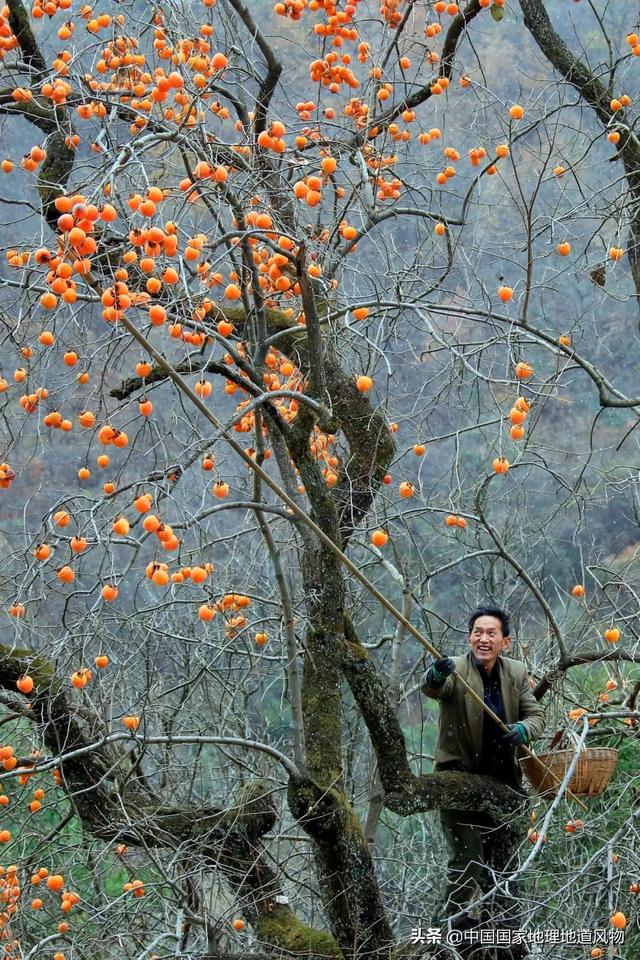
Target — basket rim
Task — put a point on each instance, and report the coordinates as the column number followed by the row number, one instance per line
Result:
column 586, row 753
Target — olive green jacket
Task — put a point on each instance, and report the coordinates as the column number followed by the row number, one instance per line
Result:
column 461, row 718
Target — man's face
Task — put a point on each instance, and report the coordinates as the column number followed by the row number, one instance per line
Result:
column 487, row 641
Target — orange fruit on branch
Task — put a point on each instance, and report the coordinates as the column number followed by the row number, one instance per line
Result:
column 121, row 526
column 157, row 315
column 86, row 418
column 225, row 329
column 151, row 523
column 25, row 684
column 523, row 371
column 143, row 502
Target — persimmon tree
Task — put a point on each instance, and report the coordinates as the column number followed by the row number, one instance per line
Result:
column 318, row 327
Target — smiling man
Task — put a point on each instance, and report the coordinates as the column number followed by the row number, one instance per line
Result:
column 470, row 741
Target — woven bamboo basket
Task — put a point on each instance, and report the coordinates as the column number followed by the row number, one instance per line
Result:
column 589, row 779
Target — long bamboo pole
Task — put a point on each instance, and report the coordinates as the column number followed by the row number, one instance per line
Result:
column 304, row 517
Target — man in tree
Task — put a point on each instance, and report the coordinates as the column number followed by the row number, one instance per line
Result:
column 469, row 740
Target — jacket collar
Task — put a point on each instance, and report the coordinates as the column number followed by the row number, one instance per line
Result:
column 497, row 666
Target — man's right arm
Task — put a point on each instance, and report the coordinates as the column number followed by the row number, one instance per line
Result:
column 439, row 680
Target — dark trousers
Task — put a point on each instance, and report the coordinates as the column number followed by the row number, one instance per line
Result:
column 472, row 840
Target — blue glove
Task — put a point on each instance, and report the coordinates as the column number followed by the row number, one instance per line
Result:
column 443, row 668
column 517, row 735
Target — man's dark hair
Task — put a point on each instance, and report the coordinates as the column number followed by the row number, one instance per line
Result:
column 488, row 610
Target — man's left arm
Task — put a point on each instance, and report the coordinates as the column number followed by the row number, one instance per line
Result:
column 531, row 715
